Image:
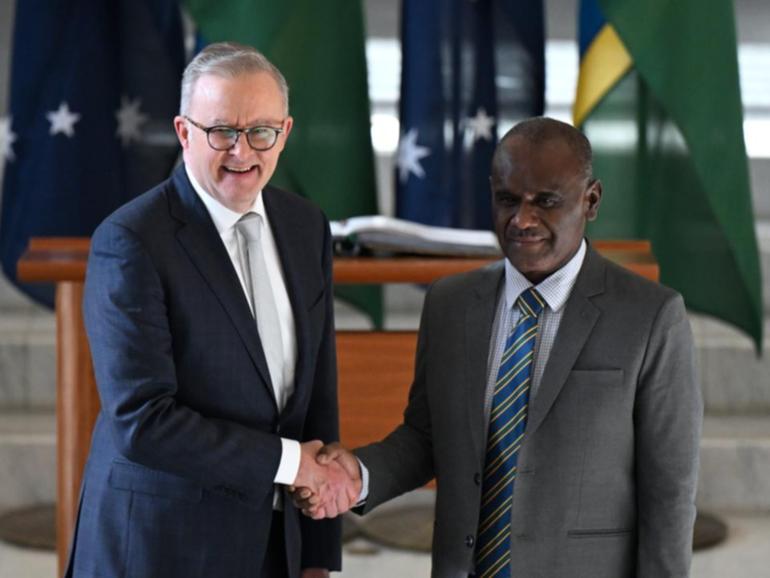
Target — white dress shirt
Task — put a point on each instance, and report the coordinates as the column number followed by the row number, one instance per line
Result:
column 283, row 384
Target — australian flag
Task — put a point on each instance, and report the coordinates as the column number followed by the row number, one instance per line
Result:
column 94, row 88
column 469, row 68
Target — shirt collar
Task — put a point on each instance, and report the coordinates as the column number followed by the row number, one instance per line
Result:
column 224, row 218
column 555, row 288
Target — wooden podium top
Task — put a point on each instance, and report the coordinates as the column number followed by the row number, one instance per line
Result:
column 64, row 259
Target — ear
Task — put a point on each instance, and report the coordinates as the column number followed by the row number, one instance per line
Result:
column 593, row 199
column 182, row 131
column 287, row 127
column 287, row 124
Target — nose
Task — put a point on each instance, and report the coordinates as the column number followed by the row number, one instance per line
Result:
column 241, row 146
column 525, row 217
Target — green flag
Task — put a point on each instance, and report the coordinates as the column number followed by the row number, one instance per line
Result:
column 319, row 47
column 660, row 98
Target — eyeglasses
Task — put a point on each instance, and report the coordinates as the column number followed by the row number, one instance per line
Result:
column 223, row 138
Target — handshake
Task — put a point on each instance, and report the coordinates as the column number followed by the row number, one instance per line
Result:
column 328, row 482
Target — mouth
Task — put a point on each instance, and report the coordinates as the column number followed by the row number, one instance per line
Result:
column 240, row 171
column 526, row 240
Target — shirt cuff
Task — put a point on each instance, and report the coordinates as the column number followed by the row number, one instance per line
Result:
column 288, row 467
column 364, row 484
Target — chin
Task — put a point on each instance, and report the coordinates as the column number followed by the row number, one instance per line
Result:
column 531, row 267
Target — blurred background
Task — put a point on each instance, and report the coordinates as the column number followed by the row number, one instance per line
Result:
column 683, row 147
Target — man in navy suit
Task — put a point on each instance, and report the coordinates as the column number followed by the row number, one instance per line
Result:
column 213, row 350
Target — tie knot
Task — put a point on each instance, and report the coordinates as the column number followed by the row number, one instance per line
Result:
column 250, row 226
column 531, row 302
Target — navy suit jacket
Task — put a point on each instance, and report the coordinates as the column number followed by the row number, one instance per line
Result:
column 179, row 481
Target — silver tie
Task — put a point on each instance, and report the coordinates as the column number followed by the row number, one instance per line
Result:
column 261, row 295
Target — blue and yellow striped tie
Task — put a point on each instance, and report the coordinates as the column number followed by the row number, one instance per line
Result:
column 507, row 422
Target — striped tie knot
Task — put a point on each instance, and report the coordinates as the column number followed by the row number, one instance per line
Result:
column 530, row 302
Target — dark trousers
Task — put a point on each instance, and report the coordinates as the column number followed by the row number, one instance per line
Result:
column 274, row 564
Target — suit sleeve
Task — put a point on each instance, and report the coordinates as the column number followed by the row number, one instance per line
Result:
column 130, row 338
column 668, row 418
column 322, row 539
column 403, row 461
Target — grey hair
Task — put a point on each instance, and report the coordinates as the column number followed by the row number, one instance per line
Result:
column 228, row 60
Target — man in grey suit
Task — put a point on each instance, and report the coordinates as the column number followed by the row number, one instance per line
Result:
column 554, row 397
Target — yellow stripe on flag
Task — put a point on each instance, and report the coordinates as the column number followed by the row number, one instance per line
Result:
column 603, row 65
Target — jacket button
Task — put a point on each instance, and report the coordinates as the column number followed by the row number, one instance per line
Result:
column 477, row 478
column 470, row 541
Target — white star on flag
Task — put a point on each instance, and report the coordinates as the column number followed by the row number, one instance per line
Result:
column 481, row 125
column 62, row 120
column 409, row 155
column 130, row 120
column 6, row 139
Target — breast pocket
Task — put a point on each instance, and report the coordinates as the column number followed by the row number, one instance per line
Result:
column 596, row 377
column 603, row 399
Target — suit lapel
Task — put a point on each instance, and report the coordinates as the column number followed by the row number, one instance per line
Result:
column 580, row 316
column 200, row 240
column 479, row 317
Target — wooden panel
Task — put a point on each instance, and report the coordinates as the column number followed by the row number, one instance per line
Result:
column 375, row 372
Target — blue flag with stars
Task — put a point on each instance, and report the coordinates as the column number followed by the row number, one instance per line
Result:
column 469, row 68
column 94, row 88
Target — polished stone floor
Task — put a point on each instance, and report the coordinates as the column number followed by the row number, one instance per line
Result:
column 745, row 554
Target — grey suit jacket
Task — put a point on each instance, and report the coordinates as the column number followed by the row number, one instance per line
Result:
column 608, row 466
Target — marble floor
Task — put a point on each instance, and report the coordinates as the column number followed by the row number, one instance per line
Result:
column 745, row 554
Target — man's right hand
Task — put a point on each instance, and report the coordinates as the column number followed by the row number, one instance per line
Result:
column 327, row 483
column 342, row 489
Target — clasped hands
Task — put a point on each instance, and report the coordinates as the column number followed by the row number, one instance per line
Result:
column 328, row 482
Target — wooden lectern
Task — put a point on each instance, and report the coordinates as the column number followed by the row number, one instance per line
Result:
column 375, row 368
